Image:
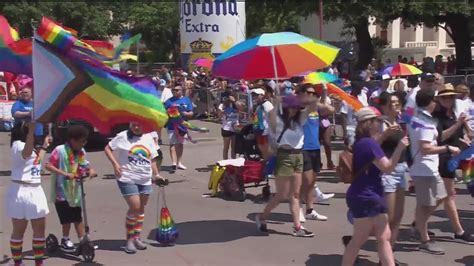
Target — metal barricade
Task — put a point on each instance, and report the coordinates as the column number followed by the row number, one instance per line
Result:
column 470, row 80
column 456, row 79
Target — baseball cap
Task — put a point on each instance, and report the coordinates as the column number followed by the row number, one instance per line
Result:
column 367, row 113
column 427, row 77
column 258, row 91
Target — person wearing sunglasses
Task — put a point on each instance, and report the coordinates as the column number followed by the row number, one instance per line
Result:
column 451, row 132
column 312, row 154
column 185, row 107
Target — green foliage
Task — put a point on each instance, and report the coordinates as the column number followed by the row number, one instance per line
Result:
column 91, row 19
column 275, row 16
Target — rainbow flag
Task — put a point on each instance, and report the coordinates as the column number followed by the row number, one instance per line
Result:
column 167, row 233
column 73, row 87
column 56, row 34
column 15, row 55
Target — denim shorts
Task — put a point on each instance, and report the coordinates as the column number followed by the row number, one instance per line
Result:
column 130, row 189
column 396, row 179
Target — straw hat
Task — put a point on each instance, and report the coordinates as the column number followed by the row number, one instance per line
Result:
column 447, row 90
column 367, row 113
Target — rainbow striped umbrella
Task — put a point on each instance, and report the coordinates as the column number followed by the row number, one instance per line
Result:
column 319, row 77
column 401, row 69
column 204, row 62
column 273, row 55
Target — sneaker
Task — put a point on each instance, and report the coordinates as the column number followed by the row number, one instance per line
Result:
column 316, row 216
column 139, row 244
column 322, row 197
column 130, row 247
column 261, row 227
column 302, row 217
column 67, row 246
column 432, row 248
column 302, row 232
column 465, row 238
column 181, row 166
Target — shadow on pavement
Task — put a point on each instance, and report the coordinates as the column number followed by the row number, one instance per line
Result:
column 214, row 231
column 275, row 218
column 445, row 226
column 335, row 259
column 110, row 245
column 208, row 168
column 467, row 260
column 463, row 214
column 6, row 173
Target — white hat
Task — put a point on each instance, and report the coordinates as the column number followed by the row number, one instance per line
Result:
column 385, row 77
column 258, row 91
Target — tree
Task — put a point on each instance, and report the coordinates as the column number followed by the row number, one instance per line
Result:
column 93, row 20
column 158, row 22
column 457, row 16
column 355, row 14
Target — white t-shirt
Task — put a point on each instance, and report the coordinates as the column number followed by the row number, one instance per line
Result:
column 462, row 106
column 155, row 137
column 293, row 137
column 230, row 117
column 166, row 94
column 423, row 128
column 25, row 170
column 349, row 112
column 135, row 157
column 267, row 107
column 410, row 106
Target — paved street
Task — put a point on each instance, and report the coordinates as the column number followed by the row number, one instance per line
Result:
column 215, row 231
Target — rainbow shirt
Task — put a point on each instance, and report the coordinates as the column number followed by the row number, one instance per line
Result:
column 135, row 155
column 63, row 188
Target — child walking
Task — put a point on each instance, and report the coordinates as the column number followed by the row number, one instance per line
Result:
column 68, row 162
column 25, row 199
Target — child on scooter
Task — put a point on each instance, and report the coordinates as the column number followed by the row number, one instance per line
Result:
column 67, row 163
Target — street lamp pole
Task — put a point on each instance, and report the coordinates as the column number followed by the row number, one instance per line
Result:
column 321, row 19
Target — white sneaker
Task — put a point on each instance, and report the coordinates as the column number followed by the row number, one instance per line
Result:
column 316, row 216
column 302, row 218
column 322, row 197
column 181, row 166
column 302, row 232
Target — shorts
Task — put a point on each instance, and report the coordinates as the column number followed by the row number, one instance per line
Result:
column 429, row 190
column 261, row 139
column 364, row 208
column 443, row 167
column 396, row 179
column 173, row 139
column 130, row 189
column 227, row 134
column 288, row 163
column 26, row 202
column 68, row 214
column 312, row 160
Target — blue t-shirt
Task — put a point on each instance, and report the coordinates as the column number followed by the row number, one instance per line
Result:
column 311, row 132
column 366, row 186
column 21, row 106
column 184, row 104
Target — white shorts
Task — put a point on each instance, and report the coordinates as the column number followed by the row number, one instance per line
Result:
column 26, row 202
column 174, row 139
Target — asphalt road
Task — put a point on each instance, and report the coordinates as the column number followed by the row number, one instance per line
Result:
column 218, row 231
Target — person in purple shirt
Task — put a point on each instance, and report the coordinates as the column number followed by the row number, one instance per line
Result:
column 365, row 195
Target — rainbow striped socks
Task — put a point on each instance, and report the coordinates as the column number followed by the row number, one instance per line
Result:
column 16, row 246
column 130, row 223
column 38, row 250
column 139, row 226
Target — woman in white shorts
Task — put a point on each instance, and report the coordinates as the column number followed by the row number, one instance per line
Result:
column 25, row 199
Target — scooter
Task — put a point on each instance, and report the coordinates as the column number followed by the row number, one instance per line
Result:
column 85, row 248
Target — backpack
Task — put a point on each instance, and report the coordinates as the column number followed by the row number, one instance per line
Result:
column 344, row 167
